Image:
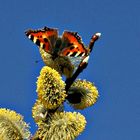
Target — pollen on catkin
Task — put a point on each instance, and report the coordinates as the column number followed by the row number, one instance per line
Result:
column 87, row 91
column 50, row 88
column 62, row 126
column 12, row 126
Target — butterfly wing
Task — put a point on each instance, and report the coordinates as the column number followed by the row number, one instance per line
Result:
column 44, row 38
column 72, row 45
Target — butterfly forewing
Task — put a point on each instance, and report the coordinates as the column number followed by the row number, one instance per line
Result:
column 44, row 38
column 72, row 45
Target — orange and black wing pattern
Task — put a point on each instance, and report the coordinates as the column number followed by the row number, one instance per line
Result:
column 72, row 45
column 44, row 38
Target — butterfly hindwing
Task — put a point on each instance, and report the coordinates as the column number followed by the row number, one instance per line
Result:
column 72, row 45
column 44, row 38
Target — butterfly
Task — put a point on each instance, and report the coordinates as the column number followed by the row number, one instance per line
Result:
column 59, row 52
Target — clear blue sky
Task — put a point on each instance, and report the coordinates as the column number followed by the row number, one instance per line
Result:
column 114, row 65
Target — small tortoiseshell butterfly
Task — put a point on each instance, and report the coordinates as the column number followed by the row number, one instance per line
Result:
column 59, row 52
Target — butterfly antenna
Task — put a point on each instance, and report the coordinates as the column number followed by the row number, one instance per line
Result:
column 94, row 38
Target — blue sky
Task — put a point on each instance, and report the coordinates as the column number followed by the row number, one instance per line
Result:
column 113, row 65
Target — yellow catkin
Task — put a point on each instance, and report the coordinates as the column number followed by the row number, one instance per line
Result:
column 47, row 58
column 39, row 112
column 12, row 126
column 62, row 126
column 50, row 88
column 88, row 91
column 61, row 64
